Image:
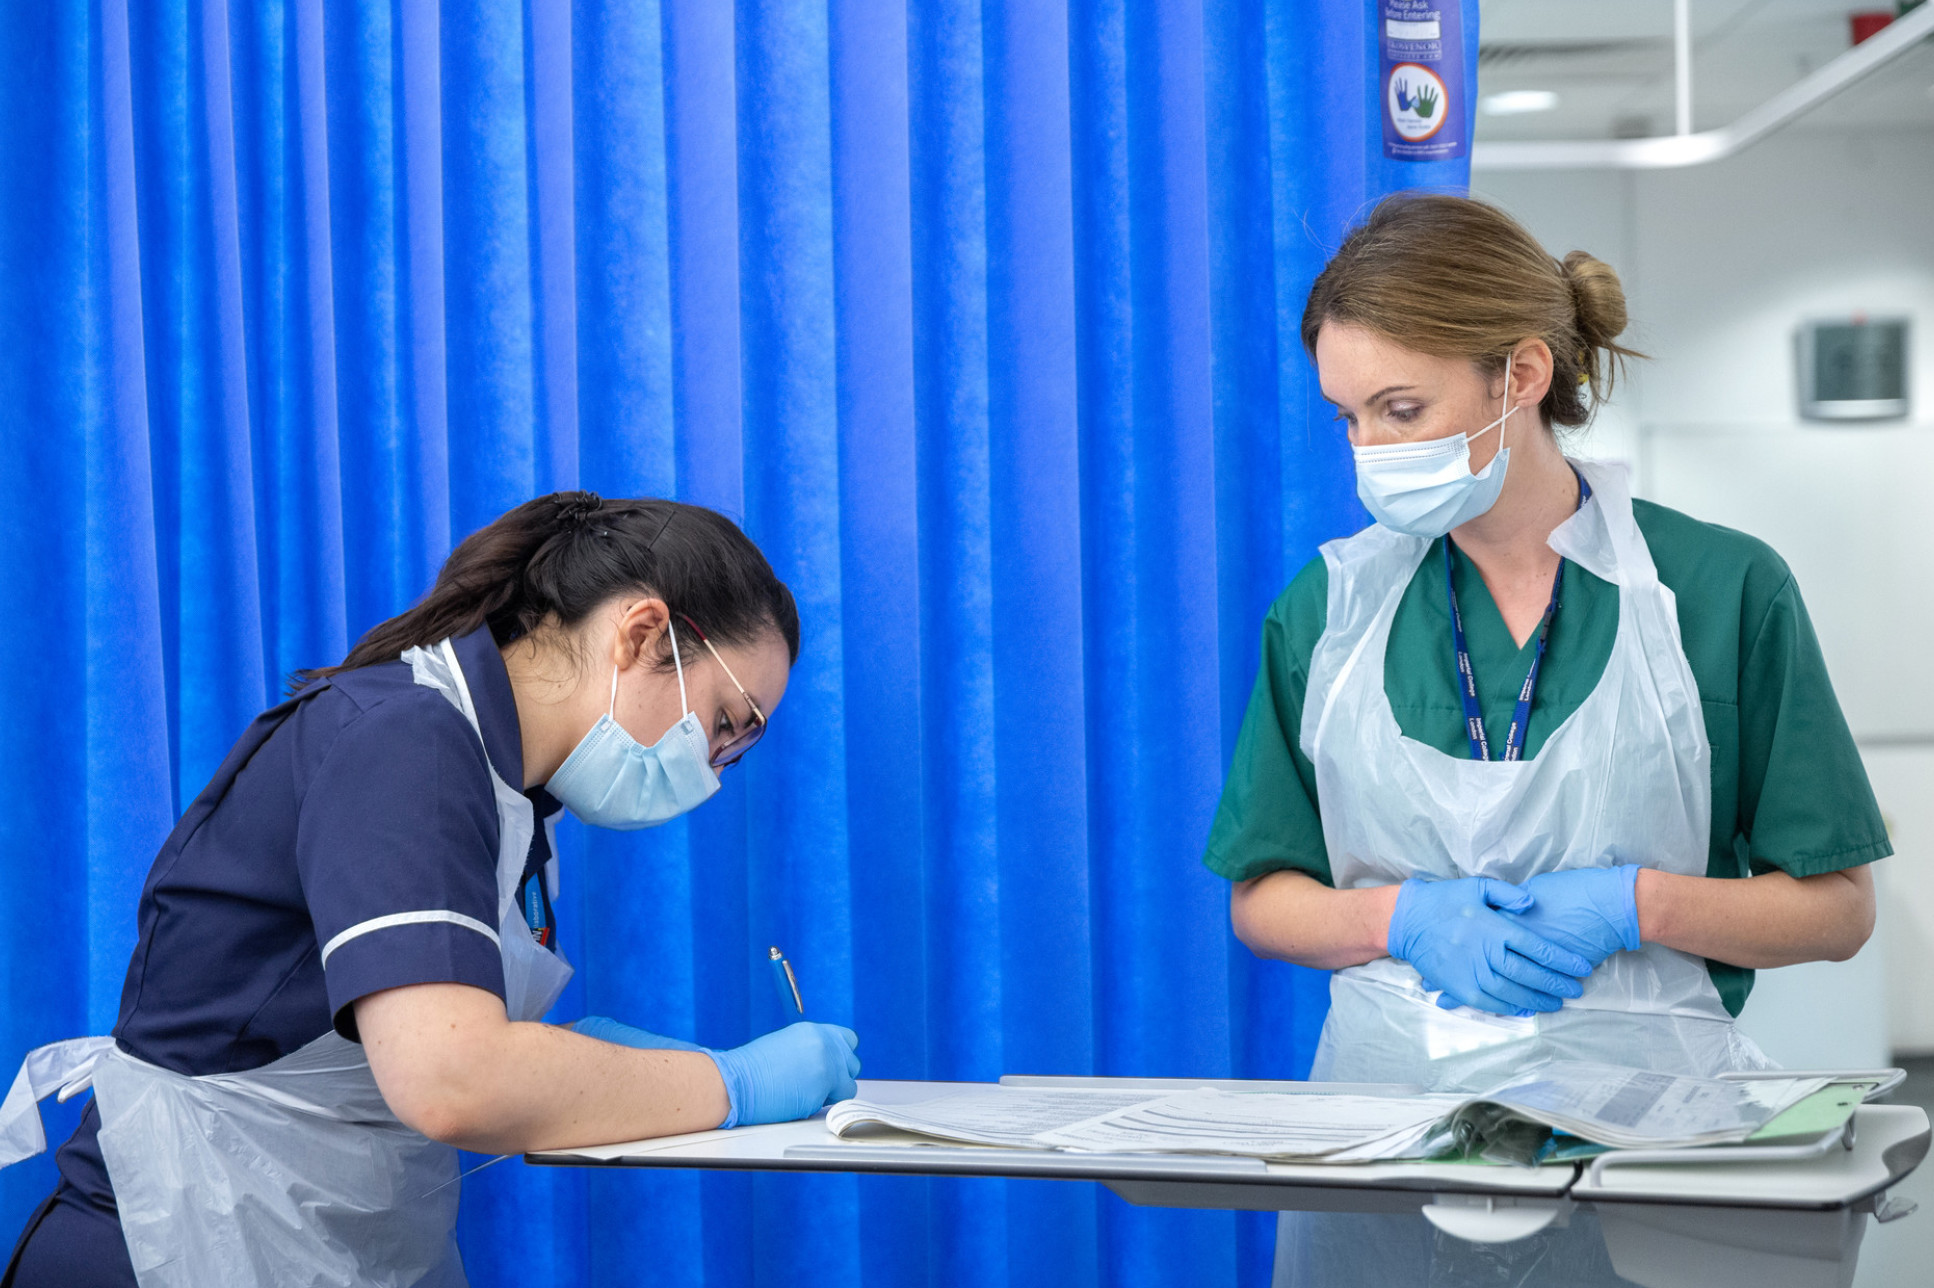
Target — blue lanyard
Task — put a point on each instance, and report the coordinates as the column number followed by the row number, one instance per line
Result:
column 1467, row 678
column 537, row 910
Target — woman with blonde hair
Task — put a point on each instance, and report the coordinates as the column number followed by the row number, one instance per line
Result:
column 1514, row 749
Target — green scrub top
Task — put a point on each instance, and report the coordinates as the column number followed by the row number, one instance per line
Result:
column 1788, row 787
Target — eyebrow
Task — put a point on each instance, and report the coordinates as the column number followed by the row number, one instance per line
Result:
column 1381, row 393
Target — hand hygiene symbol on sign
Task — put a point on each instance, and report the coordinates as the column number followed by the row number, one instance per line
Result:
column 1418, row 102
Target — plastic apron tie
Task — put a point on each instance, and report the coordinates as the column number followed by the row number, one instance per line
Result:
column 59, row 1069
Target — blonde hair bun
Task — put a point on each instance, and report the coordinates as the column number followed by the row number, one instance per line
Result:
column 1598, row 297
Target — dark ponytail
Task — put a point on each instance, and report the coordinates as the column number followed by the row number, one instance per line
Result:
column 555, row 559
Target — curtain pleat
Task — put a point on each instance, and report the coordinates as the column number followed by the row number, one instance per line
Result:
column 980, row 315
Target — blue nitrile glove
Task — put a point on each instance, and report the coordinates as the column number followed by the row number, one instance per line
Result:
column 606, row 1029
column 789, row 1073
column 1592, row 911
column 1458, row 937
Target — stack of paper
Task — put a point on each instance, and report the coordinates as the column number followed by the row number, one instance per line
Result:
column 1308, row 1127
column 1605, row 1104
column 1010, row 1116
column 1263, row 1125
column 1637, row 1109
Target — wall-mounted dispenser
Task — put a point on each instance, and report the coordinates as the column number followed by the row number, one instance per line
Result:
column 1853, row 368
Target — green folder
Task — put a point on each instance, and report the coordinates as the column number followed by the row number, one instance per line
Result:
column 1825, row 1110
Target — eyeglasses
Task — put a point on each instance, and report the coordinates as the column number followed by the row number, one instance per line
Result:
column 730, row 754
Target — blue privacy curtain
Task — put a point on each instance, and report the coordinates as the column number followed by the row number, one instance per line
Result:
column 980, row 315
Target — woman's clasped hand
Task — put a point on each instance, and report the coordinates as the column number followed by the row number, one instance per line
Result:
column 1514, row 949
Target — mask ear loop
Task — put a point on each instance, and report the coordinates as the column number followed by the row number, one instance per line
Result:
column 684, row 707
column 1504, row 420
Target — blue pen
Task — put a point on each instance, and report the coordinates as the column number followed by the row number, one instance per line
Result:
column 786, row 982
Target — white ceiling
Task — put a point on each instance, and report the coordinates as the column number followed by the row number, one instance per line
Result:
column 1610, row 63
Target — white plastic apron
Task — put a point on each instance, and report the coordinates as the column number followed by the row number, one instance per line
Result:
column 1625, row 779
column 294, row 1174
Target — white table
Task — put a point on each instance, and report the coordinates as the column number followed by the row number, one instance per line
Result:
column 1795, row 1223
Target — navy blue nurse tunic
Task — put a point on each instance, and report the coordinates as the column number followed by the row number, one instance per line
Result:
column 347, row 845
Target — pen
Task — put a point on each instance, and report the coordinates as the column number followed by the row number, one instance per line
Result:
column 787, row 982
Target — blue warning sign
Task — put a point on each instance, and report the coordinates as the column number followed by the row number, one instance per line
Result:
column 1424, row 109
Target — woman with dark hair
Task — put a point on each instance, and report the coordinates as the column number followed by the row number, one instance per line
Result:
column 347, row 940
column 1514, row 748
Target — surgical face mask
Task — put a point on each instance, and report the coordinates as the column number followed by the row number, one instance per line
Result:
column 1426, row 489
column 612, row 780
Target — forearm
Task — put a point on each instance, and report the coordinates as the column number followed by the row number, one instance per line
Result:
column 1760, row 922
column 1293, row 917
column 553, row 1089
column 472, row 1078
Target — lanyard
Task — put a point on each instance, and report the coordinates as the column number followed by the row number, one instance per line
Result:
column 536, row 898
column 1467, row 678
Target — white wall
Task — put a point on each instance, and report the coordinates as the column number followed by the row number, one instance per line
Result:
column 1903, row 778
column 1721, row 263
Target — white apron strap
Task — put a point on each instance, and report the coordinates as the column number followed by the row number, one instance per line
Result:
column 66, row 1068
column 534, row 976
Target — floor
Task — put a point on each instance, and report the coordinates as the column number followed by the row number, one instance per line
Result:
column 1900, row 1254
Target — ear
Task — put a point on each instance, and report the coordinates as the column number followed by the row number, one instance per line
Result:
column 1530, row 367
column 641, row 622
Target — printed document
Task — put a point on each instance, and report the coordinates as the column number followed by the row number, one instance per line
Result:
column 1637, row 1109
column 1202, row 1121
column 1010, row 1116
column 1259, row 1125
column 1603, row 1104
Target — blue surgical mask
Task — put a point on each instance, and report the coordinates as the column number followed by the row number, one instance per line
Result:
column 612, row 780
column 1426, row 489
